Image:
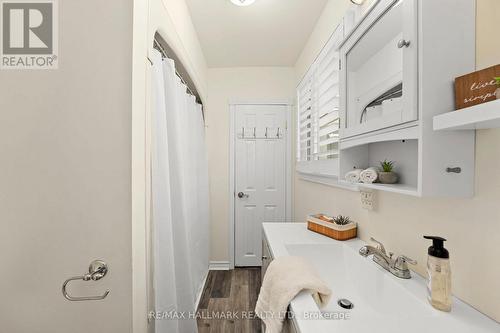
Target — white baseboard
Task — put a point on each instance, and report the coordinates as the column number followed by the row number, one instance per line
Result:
column 219, row 266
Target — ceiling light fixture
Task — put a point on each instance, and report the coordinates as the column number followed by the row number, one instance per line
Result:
column 242, row 2
column 358, row 2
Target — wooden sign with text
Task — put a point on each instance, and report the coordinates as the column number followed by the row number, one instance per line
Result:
column 476, row 88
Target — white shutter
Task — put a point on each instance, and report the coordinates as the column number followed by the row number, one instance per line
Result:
column 318, row 111
column 305, row 120
column 328, row 91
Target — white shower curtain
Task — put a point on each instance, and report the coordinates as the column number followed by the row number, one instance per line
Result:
column 180, row 198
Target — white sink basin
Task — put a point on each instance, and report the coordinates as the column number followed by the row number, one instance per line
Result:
column 382, row 302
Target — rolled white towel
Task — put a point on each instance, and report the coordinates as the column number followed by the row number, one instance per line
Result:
column 353, row 176
column 369, row 175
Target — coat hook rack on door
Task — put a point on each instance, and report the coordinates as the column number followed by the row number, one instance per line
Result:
column 279, row 134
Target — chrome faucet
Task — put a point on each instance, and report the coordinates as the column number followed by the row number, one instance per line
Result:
column 397, row 267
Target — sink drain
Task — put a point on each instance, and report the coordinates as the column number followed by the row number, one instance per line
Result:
column 345, row 303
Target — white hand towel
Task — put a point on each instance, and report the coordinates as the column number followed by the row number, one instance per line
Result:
column 285, row 278
column 353, row 176
column 369, row 175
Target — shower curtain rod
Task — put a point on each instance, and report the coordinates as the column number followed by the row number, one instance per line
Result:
column 157, row 46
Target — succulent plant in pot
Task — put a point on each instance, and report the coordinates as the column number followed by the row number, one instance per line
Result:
column 344, row 223
column 342, row 220
column 387, row 175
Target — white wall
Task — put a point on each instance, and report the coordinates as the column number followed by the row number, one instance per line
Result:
column 65, row 175
column 332, row 14
column 73, row 165
column 472, row 226
column 173, row 20
column 235, row 84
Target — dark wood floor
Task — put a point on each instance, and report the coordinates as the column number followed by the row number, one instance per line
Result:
column 228, row 302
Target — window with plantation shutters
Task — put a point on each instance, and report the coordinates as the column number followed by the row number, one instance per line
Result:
column 305, row 121
column 327, row 77
column 318, row 112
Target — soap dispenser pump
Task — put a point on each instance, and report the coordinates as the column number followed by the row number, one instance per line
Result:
column 439, row 274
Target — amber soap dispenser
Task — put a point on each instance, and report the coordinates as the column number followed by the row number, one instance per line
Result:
column 439, row 274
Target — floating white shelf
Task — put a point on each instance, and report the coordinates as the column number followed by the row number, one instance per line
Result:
column 328, row 180
column 482, row 116
column 395, row 188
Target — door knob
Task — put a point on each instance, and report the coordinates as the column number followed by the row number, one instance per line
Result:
column 242, row 195
column 403, row 43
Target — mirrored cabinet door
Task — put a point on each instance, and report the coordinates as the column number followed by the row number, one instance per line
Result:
column 380, row 70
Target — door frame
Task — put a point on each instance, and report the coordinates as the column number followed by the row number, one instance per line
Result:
column 288, row 165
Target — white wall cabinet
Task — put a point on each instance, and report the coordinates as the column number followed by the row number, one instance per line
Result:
column 379, row 70
column 419, row 46
column 397, row 68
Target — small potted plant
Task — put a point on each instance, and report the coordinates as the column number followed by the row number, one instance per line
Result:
column 342, row 220
column 497, row 92
column 387, row 176
column 344, row 228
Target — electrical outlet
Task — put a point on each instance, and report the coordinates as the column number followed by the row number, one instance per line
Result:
column 367, row 199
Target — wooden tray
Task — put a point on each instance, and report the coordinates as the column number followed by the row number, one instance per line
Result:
column 332, row 230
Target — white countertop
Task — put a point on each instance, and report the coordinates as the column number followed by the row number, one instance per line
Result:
column 463, row 317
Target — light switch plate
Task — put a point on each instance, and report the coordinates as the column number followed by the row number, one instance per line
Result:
column 367, row 199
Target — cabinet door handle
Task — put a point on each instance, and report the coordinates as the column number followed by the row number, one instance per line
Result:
column 454, row 170
column 403, row 43
column 264, row 258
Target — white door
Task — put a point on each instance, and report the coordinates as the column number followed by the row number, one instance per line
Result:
column 260, row 172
